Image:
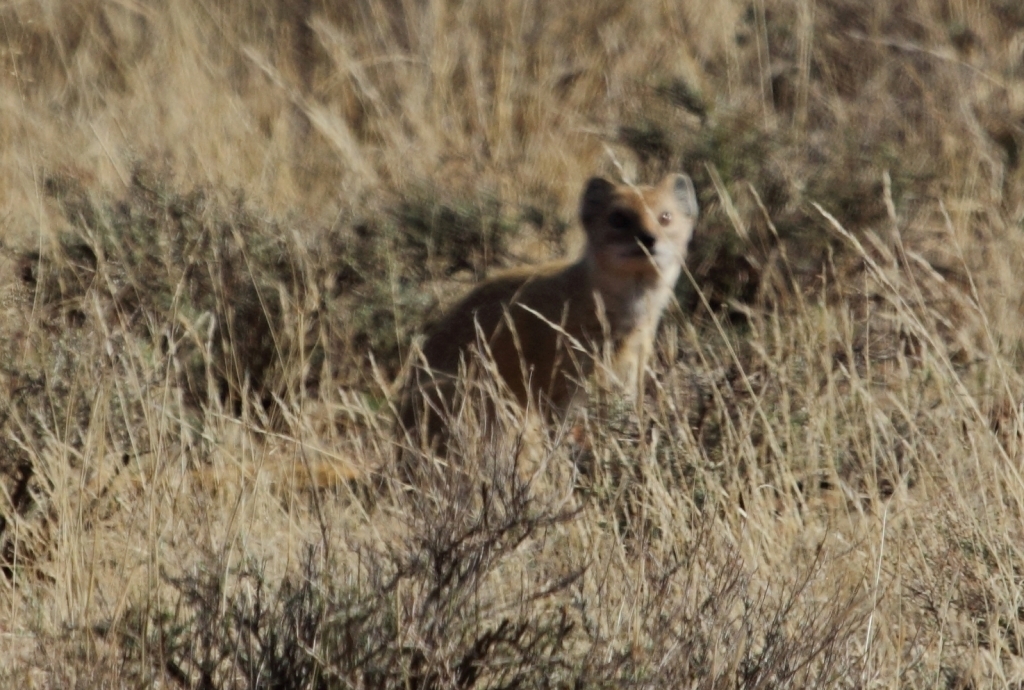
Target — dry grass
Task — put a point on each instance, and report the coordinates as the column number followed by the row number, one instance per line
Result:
column 223, row 223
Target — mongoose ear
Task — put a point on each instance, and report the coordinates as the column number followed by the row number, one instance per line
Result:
column 682, row 188
column 596, row 196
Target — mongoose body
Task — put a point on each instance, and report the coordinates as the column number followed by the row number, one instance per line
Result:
column 541, row 326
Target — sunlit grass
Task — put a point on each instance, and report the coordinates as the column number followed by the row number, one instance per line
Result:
column 224, row 225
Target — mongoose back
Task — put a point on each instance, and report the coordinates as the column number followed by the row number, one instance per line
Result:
column 542, row 325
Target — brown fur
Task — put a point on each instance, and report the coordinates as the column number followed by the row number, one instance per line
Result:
column 540, row 326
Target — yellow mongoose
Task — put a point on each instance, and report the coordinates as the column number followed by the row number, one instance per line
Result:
column 532, row 322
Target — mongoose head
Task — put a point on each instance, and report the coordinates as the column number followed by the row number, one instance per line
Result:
column 639, row 233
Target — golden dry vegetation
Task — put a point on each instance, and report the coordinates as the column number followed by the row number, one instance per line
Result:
column 223, row 224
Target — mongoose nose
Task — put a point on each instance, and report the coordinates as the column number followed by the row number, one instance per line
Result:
column 646, row 239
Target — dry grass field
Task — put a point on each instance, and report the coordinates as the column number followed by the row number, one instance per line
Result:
column 223, row 225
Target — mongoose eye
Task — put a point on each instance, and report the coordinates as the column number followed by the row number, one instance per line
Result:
column 665, row 218
column 618, row 220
